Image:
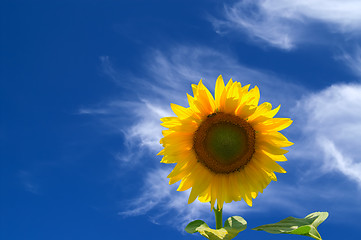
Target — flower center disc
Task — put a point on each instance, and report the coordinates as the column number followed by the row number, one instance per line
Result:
column 224, row 143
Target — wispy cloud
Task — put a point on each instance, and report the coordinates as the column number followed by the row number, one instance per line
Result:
column 163, row 203
column 284, row 24
column 138, row 122
column 352, row 59
column 26, row 179
column 171, row 73
column 331, row 128
column 108, row 69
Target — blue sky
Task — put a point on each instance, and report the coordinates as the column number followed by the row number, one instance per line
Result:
column 84, row 84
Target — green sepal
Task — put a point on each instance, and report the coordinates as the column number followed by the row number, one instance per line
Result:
column 232, row 226
column 301, row 226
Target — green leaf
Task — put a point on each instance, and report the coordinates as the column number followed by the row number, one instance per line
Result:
column 231, row 228
column 301, row 226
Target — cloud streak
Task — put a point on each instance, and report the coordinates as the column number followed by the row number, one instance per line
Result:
column 164, row 203
column 284, row 24
column 352, row 60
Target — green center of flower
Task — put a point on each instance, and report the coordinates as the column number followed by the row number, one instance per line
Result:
column 224, row 143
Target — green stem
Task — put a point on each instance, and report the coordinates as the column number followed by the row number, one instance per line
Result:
column 218, row 214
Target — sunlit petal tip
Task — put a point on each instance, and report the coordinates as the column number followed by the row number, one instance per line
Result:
column 229, row 84
column 171, row 181
column 192, row 197
column 219, row 84
column 248, row 201
column 253, row 195
column 194, row 89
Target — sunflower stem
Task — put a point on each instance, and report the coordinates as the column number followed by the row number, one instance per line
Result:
column 218, row 215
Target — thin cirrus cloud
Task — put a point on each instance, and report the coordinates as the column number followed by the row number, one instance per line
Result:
column 284, row 24
column 352, row 59
column 140, row 126
column 163, row 204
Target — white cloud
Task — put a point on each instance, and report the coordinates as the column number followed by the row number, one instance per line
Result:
column 331, row 125
column 139, row 123
column 172, row 72
column 352, row 60
column 283, row 23
column 338, row 161
column 108, row 69
column 171, row 205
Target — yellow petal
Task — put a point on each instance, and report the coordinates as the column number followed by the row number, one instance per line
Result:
column 182, row 166
column 261, row 179
column 179, row 138
column 273, row 125
column 184, row 156
column 181, row 112
column 268, row 163
column 269, row 148
column 186, row 183
column 194, row 89
column 277, row 158
column 203, row 180
column 177, row 149
column 205, row 196
column 219, row 90
column 204, row 100
column 252, row 97
column 270, row 175
column 275, row 138
column 229, row 84
column 243, row 185
column 229, row 196
column 262, row 113
column 233, row 90
column 222, row 191
column 222, row 101
column 244, row 111
column 231, row 105
column 170, row 122
column 215, row 189
column 253, row 183
column 161, row 152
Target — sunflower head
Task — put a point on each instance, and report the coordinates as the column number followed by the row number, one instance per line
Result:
column 225, row 147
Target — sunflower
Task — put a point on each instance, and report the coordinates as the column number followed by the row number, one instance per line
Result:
column 225, row 148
